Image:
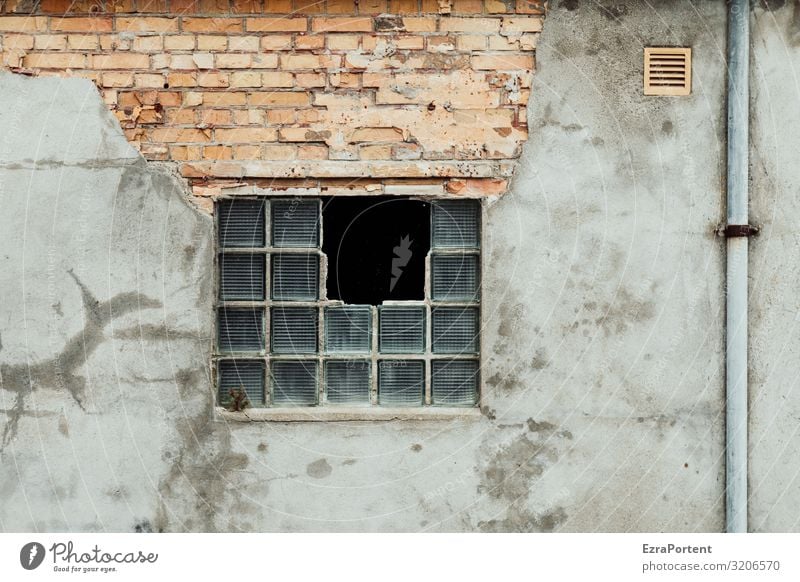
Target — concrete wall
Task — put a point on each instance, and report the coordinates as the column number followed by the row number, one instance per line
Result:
column 602, row 346
column 774, row 269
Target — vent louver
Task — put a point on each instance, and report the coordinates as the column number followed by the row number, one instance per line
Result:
column 347, row 329
column 401, row 382
column 241, row 223
column 455, row 224
column 401, row 330
column 667, row 71
column 294, row 383
column 295, row 277
column 295, row 224
column 455, row 277
column 236, row 374
column 347, row 382
column 455, row 330
column 294, row 330
column 241, row 277
column 241, row 330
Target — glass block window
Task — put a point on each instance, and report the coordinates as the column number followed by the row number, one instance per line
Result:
column 348, row 329
column 295, row 277
column 455, row 330
column 456, row 225
column 294, row 383
column 247, row 375
column 402, row 330
column 285, row 344
column 454, row 382
column 241, row 329
column 401, row 382
column 348, row 381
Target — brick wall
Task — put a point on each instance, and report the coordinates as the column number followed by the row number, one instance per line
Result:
column 366, row 96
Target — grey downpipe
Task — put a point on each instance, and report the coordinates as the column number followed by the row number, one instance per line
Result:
column 737, row 245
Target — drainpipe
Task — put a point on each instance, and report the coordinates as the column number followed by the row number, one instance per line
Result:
column 737, row 232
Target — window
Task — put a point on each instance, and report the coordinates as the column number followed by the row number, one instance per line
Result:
column 348, row 301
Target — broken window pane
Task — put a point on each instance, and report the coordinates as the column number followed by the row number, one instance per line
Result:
column 376, row 248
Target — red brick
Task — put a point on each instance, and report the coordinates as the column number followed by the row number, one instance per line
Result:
column 278, row 99
column 276, row 24
column 147, row 24
column 246, row 135
column 375, row 134
column 215, row 117
column 506, row 62
column 218, row 25
column 23, row 23
column 277, row 6
column 403, row 7
column 474, row 25
column 421, row 24
column 120, row 61
column 92, row 24
column 217, row 152
column 356, row 24
column 54, row 61
column 177, row 135
column 223, row 98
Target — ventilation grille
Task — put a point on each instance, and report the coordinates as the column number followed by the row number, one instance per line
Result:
column 401, row 330
column 241, row 277
column 241, row 330
column 347, row 382
column 295, row 224
column 294, row 383
column 294, row 330
column 454, row 382
column 347, row 329
column 236, row 374
column 455, row 330
column 401, row 382
column 667, row 71
column 455, row 224
column 455, row 277
column 295, row 277
column 241, row 223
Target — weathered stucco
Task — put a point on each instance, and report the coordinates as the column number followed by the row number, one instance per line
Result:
column 774, row 270
column 602, row 347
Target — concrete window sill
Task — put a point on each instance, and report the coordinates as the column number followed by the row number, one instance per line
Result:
column 341, row 414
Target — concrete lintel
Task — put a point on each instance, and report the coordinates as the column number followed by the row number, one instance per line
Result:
column 343, row 169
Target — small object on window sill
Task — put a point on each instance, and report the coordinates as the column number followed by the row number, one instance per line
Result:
column 354, row 413
column 239, row 400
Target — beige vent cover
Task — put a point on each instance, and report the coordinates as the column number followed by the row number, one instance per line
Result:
column 667, row 71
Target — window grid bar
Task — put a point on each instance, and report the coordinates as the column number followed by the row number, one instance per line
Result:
column 428, row 329
column 373, row 388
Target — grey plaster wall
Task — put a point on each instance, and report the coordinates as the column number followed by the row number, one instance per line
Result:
column 774, row 268
column 602, row 356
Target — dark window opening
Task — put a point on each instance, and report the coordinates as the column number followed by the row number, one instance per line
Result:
column 376, row 248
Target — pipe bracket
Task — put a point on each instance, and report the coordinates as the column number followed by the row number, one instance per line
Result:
column 739, row 230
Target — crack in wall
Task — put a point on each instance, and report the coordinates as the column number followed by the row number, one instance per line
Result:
column 59, row 371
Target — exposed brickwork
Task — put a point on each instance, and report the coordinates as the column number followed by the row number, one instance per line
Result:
column 332, row 91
